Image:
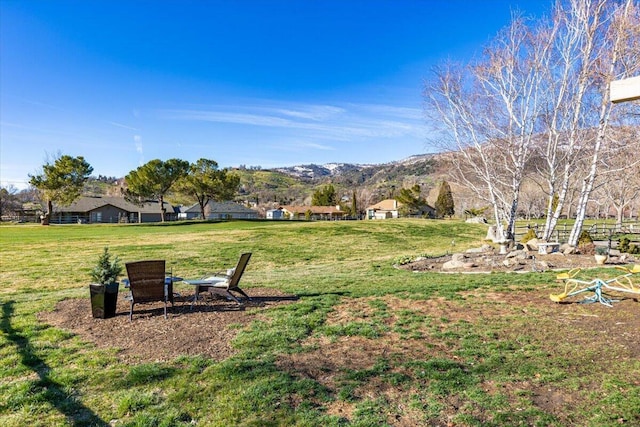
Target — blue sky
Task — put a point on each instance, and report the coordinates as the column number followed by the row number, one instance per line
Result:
column 258, row 83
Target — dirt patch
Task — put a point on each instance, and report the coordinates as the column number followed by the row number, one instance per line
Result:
column 206, row 329
column 420, row 330
column 604, row 333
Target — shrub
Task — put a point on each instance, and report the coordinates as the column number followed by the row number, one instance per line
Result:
column 625, row 246
column 587, row 249
column 106, row 270
column 402, row 260
column 585, row 238
column 601, row 250
column 585, row 243
column 531, row 234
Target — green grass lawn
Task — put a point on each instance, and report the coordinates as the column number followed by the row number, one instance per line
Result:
column 297, row 364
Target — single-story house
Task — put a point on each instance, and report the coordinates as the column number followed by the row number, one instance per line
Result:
column 110, row 209
column 219, row 210
column 30, row 212
column 390, row 208
column 385, row 209
column 313, row 212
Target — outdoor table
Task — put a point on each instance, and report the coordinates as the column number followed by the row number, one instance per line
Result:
column 198, row 284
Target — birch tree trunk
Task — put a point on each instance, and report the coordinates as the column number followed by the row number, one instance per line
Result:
column 489, row 111
column 621, row 182
column 576, row 26
column 618, row 55
column 542, row 88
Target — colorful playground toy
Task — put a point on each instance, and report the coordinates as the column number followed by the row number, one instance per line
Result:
column 620, row 283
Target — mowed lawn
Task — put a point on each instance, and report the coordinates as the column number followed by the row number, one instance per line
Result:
column 365, row 344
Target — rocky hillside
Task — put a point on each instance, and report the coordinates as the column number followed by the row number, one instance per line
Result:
column 295, row 184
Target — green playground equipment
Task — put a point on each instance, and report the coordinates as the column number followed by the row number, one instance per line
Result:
column 597, row 286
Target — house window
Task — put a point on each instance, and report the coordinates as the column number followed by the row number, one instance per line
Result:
column 98, row 216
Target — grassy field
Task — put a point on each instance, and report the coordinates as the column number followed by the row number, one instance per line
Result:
column 365, row 344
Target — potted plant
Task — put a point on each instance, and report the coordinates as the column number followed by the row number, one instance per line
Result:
column 104, row 290
column 601, row 255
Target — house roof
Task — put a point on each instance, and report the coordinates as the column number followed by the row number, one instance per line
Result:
column 317, row 210
column 221, row 207
column 90, row 203
column 386, row 205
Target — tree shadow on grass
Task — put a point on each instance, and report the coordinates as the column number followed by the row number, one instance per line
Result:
column 76, row 413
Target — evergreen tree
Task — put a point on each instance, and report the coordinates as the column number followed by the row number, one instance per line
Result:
column 354, row 204
column 444, row 203
column 411, row 199
column 206, row 182
column 62, row 181
column 153, row 180
column 326, row 196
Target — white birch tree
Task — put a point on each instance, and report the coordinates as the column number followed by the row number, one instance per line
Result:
column 617, row 35
column 542, row 88
column 490, row 111
column 621, row 181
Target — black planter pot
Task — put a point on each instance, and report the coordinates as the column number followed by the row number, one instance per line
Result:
column 103, row 300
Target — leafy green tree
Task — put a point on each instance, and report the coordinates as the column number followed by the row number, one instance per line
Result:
column 62, row 181
column 326, row 196
column 153, row 180
column 444, row 203
column 411, row 199
column 205, row 182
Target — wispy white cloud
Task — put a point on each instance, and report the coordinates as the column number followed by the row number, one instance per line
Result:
column 12, row 125
column 225, row 117
column 312, row 112
column 34, row 102
column 393, row 111
column 317, row 146
column 343, row 123
column 297, row 145
column 137, row 140
column 120, row 125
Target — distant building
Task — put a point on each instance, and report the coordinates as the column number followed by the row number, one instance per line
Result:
column 275, row 214
column 385, row 209
column 219, row 210
column 390, row 208
column 313, row 212
column 107, row 209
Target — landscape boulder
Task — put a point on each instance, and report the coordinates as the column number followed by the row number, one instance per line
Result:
column 543, row 265
column 482, row 249
column 518, row 254
column 477, row 220
column 532, row 245
column 458, row 261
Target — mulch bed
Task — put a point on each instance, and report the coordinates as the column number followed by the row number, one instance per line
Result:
column 205, row 330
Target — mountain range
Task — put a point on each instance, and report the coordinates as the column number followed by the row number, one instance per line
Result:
column 295, row 184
